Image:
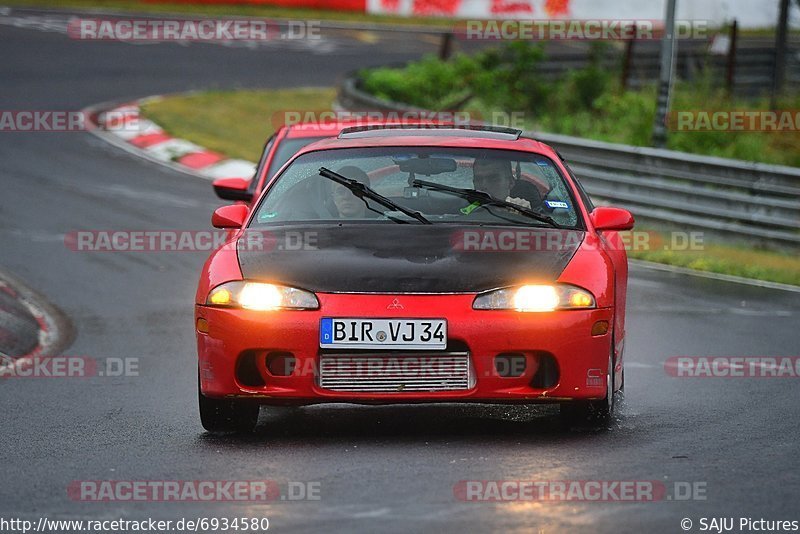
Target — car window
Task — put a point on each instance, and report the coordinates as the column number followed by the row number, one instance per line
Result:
column 261, row 162
column 587, row 200
column 300, row 193
column 287, row 148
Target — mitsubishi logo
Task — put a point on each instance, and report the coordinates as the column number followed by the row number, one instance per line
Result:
column 395, row 305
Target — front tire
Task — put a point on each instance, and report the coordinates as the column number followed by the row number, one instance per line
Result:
column 225, row 415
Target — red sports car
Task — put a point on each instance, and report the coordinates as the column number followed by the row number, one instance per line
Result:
column 398, row 264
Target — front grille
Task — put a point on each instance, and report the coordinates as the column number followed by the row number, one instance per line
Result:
column 395, row 373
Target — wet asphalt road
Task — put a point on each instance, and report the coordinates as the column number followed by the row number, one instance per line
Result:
column 388, row 469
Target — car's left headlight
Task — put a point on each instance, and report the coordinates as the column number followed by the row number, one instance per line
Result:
column 261, row 296
column 535, row 298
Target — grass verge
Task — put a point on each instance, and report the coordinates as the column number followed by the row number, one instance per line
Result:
column 722, row 258
column 237, row 123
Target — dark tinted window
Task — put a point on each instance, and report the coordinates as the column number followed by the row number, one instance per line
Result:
column 300, row 193
column 261, row 163
column 286, row 149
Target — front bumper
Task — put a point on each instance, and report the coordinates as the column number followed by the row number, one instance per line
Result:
column 234, row 338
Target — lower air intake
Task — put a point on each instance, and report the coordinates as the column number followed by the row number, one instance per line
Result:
column 395, row 373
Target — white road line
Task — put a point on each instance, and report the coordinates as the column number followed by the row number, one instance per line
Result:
column 714, row 276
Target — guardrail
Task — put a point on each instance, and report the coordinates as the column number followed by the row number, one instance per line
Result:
column 753, row 201
column 738, row 200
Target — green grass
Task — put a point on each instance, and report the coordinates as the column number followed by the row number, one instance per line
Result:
column 231, row 10
column 237, row 123
column 715, row 257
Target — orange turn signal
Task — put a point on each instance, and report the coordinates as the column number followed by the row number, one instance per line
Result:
column 202, row 325
column 600, row 328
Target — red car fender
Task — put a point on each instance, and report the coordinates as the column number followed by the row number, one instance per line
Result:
column 591, row 269
column 222, row 266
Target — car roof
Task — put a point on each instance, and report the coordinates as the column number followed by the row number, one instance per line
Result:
column 446, row 138
column 314, row 129
column 332, row 127
column 433, row 130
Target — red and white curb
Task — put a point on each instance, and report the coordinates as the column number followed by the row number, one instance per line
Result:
column 45, row 333
column 125, row 127
column 55, row 330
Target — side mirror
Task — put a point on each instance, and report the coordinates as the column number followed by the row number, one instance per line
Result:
column 233, row 189
column 229, row 216
column 612, row 219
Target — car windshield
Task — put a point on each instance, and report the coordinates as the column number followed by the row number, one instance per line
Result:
column 408, row 177
column 286, row 149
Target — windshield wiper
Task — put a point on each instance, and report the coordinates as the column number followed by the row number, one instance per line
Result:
column 486, row 198
column 363, row 191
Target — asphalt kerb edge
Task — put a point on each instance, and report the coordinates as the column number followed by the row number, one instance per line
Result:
column 55, row 329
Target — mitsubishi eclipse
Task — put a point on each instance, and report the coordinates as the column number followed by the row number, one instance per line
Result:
column 398, row 264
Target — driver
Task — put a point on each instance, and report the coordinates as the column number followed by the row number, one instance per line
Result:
column 349, row 206
column 494, row 176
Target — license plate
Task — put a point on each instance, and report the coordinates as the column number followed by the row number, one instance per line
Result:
column 341, row 333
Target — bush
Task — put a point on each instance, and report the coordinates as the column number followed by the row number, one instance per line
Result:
column 429, row 83
column 505, row 78
column 613, row 116
column 508, row 78
column 585, row 103
column 585, row 86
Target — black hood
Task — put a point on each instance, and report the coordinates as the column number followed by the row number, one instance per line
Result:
column 406, row 258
